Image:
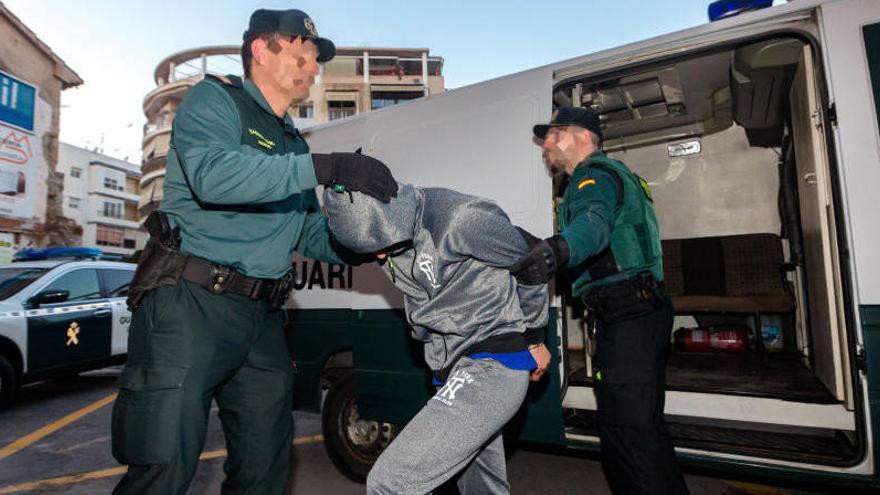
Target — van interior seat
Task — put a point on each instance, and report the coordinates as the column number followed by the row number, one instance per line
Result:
column 729, row 274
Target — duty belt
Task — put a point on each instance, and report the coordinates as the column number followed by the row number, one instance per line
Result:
column 221, row 279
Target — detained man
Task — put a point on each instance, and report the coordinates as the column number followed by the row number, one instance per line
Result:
column 483, row 333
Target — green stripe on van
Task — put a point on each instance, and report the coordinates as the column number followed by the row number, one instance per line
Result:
column 870, row 316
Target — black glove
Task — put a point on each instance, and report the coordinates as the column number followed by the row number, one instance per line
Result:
column 357, row 173
column 541, row 262
column 535, row 336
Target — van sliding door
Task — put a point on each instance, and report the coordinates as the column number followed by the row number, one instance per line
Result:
column 824, row 312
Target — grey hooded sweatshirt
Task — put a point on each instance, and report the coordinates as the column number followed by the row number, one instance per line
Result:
column 459, row 296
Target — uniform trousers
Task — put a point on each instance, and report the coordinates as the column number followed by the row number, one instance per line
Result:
column 637, row 452
column 188, row 347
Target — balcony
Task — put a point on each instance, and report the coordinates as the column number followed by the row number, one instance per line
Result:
column 177, row 73
column 153, row 163
column 127, row 196
column 152, row 132
column 121, row 221
column 392, row 66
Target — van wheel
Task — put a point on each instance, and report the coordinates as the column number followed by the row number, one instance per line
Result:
column 8, row 382
column 352, row 443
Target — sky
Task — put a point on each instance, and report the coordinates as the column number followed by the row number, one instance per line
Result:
column 115, row 45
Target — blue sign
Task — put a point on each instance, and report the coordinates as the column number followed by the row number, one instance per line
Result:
column 17, row 99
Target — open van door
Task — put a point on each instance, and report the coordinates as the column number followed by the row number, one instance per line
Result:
column 824, row 315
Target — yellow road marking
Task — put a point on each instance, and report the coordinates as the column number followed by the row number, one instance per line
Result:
column 305, row 440
column 83, row 444
column 753, row 489
column 36, row 436
column 116, row 471
column 63, row 480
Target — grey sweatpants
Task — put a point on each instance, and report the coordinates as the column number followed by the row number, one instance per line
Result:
column 459, row 429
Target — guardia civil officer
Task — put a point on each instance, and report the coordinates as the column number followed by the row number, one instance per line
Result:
column 239, row 198
column 609, row 245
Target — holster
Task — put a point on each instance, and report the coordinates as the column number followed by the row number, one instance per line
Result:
column 625, row 300
column 161, row 262
column 281, row 290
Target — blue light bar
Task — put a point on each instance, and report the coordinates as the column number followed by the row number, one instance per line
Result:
column 721, row 9
column 36, row 254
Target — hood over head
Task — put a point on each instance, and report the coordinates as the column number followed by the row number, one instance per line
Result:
column 366, row 225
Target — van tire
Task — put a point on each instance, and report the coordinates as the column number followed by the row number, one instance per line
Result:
column 8, row 382
column 353, row 444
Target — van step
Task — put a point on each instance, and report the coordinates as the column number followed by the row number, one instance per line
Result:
column 774, row 375
column 819, row 446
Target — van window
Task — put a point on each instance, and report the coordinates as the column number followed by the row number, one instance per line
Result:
column 872, row 51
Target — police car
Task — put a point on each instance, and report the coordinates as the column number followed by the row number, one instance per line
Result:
column 60, row 317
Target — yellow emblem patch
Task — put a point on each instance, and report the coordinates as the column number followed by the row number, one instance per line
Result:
column 310, row 26
column 588, row 182
column 72, row 334
column 646, row 188
column 261, row 140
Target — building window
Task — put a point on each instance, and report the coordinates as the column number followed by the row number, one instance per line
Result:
column 304, row 111
column 382, row 99
column 75, row 172
column 112, row 210
column 73, row 203
column 341, row 109
column 129, row 243
column 112, row 183
column 109, row 236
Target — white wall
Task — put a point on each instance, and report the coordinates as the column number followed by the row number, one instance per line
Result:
column 728, row 188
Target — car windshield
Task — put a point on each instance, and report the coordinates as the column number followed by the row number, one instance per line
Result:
column 13, row 280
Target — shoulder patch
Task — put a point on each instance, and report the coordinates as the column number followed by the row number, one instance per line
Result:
column 645, row 188
column 585, row 183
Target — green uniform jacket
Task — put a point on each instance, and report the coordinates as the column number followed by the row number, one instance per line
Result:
column 587, row 217
column 243, row 204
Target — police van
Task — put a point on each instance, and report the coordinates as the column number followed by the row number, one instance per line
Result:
column 758, row 134
column 59, row 317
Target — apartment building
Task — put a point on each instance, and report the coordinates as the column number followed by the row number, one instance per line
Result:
column 357, row 80
column 101, row 196
column 32, row 78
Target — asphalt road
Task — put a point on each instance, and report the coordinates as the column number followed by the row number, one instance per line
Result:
column 56, row 439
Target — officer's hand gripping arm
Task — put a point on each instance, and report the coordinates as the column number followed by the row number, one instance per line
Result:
column 542, row 261
column 356, row 172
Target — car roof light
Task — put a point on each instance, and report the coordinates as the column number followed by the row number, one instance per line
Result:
column 722, row 9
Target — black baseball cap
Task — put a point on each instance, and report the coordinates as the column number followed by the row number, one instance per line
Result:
column 291, row 22
column 565, row 116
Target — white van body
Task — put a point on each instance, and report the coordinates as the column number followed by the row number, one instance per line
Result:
column 478, row 140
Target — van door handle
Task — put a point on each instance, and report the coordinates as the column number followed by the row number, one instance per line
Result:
column 810, row 178
column 102, row 312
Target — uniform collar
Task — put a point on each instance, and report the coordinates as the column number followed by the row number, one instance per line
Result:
column 592, row 157
column 254, row 92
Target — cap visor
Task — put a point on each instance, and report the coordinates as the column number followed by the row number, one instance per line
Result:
column 540, row 130
column 326, row 49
